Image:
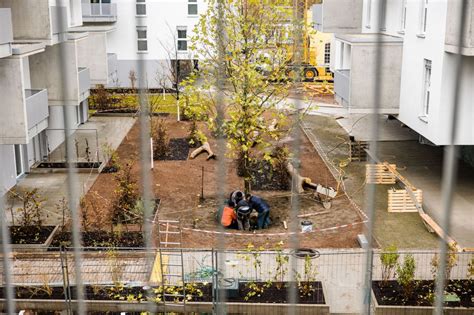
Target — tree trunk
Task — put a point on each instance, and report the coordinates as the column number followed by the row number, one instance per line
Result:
column 247, row 175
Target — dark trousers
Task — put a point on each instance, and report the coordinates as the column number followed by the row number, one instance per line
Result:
column 263, row 219
column 234, row 225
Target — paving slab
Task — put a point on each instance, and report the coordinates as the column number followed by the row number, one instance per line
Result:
column 53, row 186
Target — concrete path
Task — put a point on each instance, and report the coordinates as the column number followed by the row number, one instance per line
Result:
column 420, row 164
column 53, row 186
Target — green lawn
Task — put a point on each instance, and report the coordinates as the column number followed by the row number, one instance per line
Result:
column 159, row 104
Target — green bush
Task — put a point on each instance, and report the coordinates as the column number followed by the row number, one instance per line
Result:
column 406, row 275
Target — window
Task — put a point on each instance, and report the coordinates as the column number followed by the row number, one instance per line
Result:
column 182, row 39
column 424, row 16
column 383, row 17
column 20, row 153
column 327, row 53
column 368, row 13
column 142, row 40
column 192, row 7
column 403, row 16
column 426, row 87
column 141, row 7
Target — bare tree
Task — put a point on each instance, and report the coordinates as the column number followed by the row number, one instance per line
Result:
column 176, row 68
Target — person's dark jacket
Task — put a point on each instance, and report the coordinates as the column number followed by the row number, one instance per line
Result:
column 258, row 204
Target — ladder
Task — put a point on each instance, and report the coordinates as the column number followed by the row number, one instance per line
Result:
column 172, row 263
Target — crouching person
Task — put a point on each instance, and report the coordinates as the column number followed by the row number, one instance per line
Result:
column 263, row 209
column 243, row 215
column 227, row 217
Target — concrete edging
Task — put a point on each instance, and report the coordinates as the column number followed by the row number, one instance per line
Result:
column 36, row 247
column 125, row 306
column 418, row 310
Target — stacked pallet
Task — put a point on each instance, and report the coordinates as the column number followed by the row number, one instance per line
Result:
column 379, row 174
column 400, row 201
column 357, row 150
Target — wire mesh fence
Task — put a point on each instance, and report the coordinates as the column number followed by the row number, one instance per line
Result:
column 343, row 279
column 332, row 277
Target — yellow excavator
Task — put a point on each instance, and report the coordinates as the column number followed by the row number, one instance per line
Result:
column 310, row 72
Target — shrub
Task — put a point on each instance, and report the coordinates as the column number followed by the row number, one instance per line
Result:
column 160, row 139
column 451, row 261
column 406, row 275
column 31, row 212
column 126, row 194
column 389, row 259
column 102, row 98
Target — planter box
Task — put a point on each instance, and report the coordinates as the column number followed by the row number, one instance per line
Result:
column 416, row 310
column 123, row 306
column 36, row 247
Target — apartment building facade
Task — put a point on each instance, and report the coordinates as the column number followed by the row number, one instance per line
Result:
column 157, row 32
column 41, row 81
column 418, row 44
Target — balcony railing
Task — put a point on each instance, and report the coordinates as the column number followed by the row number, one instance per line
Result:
column 342, row 88
column 99, row 12
column 36, row 106
column 84, row 83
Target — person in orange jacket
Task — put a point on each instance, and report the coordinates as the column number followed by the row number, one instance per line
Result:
column 227, row 217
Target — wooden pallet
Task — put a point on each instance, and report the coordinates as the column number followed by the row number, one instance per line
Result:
column 379, row 174
column 357, row 150
column 400, row 201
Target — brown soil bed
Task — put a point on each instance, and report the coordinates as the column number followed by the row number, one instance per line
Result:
column 30, row 234
column 100, row 239
column 178, row 150
column 274, row 293
column 392, row 293
column 178, row 185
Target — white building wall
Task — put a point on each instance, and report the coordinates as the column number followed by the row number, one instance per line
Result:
column 7, row 169
column 163, row 18
column 430, row 46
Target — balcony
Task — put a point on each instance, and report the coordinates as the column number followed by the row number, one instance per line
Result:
column 36, row 106
column 6, row 33
column 354, row 84
column 338, row 16
column 84, row 83
column 453, row 31
column 37, row 20
column 99, row 12
column 342, row 86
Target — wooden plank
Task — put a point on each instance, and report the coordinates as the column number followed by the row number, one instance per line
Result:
column 312, row 214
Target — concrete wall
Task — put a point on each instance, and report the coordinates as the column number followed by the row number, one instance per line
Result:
column 47, row 72
column 31, row 18
column 362, row 73
column 154, row 73
column 453, row 30
column 13, row 126
column 7, row 169
column 55, row 131
column 6, row 30
column 338, row 16
column 92, row 54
